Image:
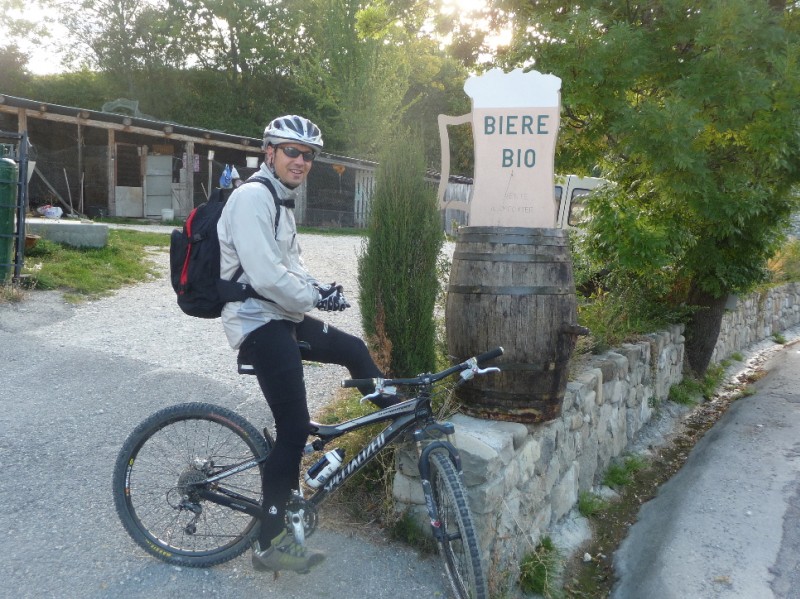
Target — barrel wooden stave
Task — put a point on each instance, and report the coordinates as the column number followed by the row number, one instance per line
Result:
column 513, row 287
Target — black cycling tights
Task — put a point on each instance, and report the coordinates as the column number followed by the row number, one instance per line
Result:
column 272, row 350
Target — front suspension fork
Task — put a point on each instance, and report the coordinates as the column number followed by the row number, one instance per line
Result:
column 425, row 470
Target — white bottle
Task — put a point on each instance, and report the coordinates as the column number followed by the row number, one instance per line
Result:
column 319, row 473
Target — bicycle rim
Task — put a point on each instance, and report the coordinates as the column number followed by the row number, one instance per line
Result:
column 155, row 501
column 459, row 545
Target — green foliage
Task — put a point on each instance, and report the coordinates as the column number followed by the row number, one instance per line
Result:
column 693, row 115
column 93, row 272
column 407, row 529
column 691, row 390
column 784, row 266
column 539, row 568
column 359, row 70
column 623, row 315
column 620, row 474
column 347, row 406
column 590, row 505
column 686, row 393
column 357, row 82
column 397, row 270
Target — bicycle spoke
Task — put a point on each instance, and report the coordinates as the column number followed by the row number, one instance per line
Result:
column 156, row 481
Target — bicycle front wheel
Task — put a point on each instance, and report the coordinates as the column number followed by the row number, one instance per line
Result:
column 459, row 543
column 152, row 484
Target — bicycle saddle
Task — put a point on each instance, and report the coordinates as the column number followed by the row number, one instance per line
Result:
column 247, row 368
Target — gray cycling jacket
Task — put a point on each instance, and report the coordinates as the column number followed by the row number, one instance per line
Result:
column 272, row 264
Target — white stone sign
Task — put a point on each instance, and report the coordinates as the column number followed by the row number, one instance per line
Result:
column 515, row 118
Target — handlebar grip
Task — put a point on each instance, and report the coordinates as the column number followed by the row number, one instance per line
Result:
column 489, row 355
column 348, row 383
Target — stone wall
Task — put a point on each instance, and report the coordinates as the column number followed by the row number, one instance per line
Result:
column 757, row 316
column 523, row 479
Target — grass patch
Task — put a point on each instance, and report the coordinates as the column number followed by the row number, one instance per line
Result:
column 785, row 264
column 686, row 393
column 622, row 316
column 368, row 495
column 779, row 338
column 691, row 391
column 621, row 474
column 538, row 570
column 407, row 530
column 591, row 505
column 11, row 293
column 87, row 273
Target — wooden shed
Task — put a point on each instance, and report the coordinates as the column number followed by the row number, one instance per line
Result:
column 125, row 164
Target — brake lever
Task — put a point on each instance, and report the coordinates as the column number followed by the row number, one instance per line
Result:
column 474, row 369
column 380, row 389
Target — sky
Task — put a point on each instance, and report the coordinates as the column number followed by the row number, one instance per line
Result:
column 44, row 59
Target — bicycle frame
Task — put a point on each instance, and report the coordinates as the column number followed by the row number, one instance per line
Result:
column 403, row 417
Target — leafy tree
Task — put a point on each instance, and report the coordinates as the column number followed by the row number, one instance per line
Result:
column 692, row 110
column 397, row 272
column 357, row 82
column 118, row 37
column 14, row 75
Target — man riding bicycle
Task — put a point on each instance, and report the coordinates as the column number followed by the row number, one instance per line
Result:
column 266, row 332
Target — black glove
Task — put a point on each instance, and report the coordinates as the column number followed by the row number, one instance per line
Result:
column 331, row 298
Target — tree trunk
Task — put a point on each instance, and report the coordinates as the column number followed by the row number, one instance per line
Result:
column 703, row 329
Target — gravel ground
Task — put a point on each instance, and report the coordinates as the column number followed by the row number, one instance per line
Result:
column 144, row 322
column 78, row 379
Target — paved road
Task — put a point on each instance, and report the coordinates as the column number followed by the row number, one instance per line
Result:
column 727, row 526
column 64, row 413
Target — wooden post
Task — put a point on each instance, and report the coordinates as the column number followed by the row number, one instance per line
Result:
column 111, row 171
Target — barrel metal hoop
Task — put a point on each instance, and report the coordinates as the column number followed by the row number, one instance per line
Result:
column 513, row 239
column 498, row 257
column 547, row 366
column 524, row 231
column 513, row 291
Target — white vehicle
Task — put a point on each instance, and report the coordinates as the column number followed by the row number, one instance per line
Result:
column 569, row 189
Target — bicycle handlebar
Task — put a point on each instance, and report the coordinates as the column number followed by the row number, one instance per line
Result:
column 470, row 365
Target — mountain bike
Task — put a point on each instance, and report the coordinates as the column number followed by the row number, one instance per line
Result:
column 187, row 481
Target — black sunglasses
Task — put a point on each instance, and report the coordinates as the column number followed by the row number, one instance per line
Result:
column 294, row 153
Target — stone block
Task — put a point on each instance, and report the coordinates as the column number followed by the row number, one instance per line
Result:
column 69, row 232
column 527, row 457
column 408, row 490
column 565, row 493
column 494, row 431
column 487, row 498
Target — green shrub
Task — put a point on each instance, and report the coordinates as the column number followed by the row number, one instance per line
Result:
column 397, row 269
column 539, row 568
column 590, row 505
column 620, row 474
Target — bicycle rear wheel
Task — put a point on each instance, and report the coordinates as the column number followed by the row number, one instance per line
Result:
column 459, row 543
column 152, row 479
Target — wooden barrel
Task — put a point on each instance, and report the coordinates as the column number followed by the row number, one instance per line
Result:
column 513, row 287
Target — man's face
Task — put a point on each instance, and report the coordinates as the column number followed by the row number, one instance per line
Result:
column 290, row 170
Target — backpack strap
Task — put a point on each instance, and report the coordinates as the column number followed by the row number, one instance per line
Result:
column 278, row 202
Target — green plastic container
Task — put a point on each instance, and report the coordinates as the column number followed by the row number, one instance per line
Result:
column 9, row 179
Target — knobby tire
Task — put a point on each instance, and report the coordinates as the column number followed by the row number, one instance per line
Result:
column 459, row 544
column 169, row 449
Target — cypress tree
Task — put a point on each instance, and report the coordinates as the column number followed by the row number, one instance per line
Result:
column 397, row 271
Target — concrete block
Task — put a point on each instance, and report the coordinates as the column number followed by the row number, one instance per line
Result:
column 69, row 232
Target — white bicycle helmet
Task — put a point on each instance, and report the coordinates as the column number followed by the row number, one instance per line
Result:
column 293, row 128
